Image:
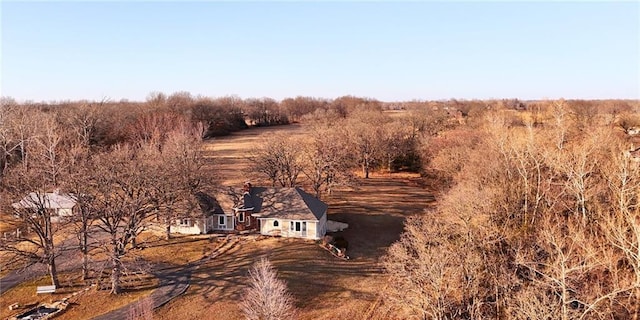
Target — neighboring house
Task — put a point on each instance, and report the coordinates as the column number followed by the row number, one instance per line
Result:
column 286, row 212
column 59, row 204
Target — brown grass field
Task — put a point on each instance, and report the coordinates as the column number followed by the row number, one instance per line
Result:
column 84, row 305
column 324, row 287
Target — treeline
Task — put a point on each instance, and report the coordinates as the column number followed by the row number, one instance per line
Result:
column 539, row 218
column 114, row 121
column 104, row 123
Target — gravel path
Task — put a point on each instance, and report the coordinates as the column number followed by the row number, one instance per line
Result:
column 68, row 259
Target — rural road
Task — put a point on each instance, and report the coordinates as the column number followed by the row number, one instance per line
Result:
column 67, row 260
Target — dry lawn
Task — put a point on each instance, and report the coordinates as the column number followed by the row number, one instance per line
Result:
column 180, row 250
column 85, row 305
column 325, row 287
column 8, row 223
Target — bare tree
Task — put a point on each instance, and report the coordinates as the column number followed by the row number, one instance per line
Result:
column 8, row 143
column 562, row 258
column 619, row 219
column 396, row 140
column 180, row 162
column 265, row 112
column 561, row 122
column 425, row 119
column 325, row 158
column 21, row 128
column 33, row 195
column 428, row 270
column 48, row 149
column 85, row 120
column 300, row 106
column 279, row 159
column 121, row 185
column 365, row 134
column 79, row 169
column 577, row 163
column 35, row 229
column 267, row 297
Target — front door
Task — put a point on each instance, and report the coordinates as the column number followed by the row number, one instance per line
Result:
column 299, row 228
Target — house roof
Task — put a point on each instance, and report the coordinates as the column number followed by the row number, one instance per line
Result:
column 49, row 200
column 248, row 202
column 208, row 204
column 286, row 203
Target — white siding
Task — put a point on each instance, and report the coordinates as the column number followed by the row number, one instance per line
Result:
column 194, row 227
column 314, row 230
column 267, row 227
column 311, row 230
column 65, row 212
column 215, row 222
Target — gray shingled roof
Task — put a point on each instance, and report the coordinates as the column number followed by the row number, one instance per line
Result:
column 50, row 200
column 208, row 204
column 287, row 203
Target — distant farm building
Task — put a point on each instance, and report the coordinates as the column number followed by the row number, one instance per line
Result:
column 59, row 205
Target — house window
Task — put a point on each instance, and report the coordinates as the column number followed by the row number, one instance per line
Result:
column 222, row 220
column 184, row 222
column 298, row 226
column 241, row 217
column 276, row 223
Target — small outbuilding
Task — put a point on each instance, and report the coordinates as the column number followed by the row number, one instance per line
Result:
column 60, row 205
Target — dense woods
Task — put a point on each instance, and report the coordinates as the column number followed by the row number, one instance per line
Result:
column 537, row 216
column 538, row 219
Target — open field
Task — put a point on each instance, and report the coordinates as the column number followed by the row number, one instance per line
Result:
column 229, row 155
column 324, row 287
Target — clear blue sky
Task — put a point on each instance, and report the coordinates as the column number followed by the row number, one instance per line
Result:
column 384, row 50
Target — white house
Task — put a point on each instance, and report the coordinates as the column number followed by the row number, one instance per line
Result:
column 290, row 212
column 59, row 204
column 286, row 212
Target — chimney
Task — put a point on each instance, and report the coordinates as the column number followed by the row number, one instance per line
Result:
column 246, row 187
